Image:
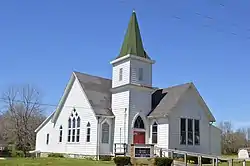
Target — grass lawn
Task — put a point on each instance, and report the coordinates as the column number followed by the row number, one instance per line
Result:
column 52, row 162
column 72, row 162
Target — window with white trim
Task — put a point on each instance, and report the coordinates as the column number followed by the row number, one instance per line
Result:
column 190, row 132
column 120, row 74
column 60, row 133
column 140, row 74
column 154, row 133
column 197, row 132
column 47, row 140
column 88, row 132
column 139, row 123
column 78, row 129
column 74, row 123
column 183, row 131
column 105, row 133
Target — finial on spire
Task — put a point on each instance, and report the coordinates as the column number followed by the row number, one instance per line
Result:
column 133, row 10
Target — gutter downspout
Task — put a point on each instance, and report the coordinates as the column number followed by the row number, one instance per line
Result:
column 98, row 138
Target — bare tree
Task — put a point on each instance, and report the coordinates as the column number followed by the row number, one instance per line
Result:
column 232, row 140
column 23, row 113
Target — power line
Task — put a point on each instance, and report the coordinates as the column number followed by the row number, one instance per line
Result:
column 210, row 18
column 56, row 105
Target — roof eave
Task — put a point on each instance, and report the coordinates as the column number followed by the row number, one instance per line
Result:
column 132, row 57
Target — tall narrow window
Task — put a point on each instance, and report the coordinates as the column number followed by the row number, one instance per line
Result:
column 74, row 124
column 120, row 74
column 60, row 133
column 197, row 132
column 69, row 129
column 69, row 123
column 183, row 131
column 105, row 133
column 88, row 132
column 73, row 130
column 47, row 140
column 154, row 133
column 190, row 131
column 78, row 129
column 140, row 74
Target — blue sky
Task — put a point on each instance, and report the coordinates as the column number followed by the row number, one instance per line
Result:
column 207, row 42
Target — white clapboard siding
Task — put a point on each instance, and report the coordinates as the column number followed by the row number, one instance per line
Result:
column 215, row 140
column 120, row 102
column 189, row 107
column 163, row 131
column 125, row 65
column 147, row 72
column 41, row 138
column 76, row 98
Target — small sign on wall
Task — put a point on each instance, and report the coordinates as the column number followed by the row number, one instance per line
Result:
column 142, row 152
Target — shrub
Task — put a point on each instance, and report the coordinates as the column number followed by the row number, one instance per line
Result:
column 57, row 155
column 5, row 153
column 163, row 161
column 105, row 157
column 17, row 153
column 121, row 161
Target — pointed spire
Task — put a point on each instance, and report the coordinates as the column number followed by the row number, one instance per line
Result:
column 132, row 43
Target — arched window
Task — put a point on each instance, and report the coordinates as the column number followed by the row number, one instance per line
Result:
column 105, row 133
column 69, row 129
column 73, row 130
column 60, row 133
column 139, row 123
column 78, row 129
column 154, row 133
column 69, row 122
column 88, row 132
column 78, row 122
column 74, row 124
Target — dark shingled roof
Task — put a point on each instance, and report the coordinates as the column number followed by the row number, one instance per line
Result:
column 97, row 90
column 163, row 100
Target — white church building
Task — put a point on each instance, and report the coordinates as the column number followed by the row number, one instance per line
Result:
column 95, row 113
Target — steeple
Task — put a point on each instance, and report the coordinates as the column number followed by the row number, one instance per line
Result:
column 132, row 43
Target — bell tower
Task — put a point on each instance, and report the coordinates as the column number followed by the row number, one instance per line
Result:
column 131, row 85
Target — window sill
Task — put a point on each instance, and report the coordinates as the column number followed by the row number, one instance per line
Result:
column 72, row 143
column 104, row 143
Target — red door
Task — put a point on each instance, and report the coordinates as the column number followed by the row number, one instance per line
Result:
column 139, row 137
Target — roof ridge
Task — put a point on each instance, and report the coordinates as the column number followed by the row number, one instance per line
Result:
column 91, row 75
column 178, row 85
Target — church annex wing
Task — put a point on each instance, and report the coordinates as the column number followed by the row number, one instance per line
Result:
column 164, row 100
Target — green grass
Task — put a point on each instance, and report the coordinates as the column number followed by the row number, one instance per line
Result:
column 53, row 162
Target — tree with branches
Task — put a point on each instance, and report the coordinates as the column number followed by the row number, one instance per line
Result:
column 22, row 115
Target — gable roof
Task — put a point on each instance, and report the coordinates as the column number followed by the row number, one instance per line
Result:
column 164, row 100
column 97, row 90
column 132, row 43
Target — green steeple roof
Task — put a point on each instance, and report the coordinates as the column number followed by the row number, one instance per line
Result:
column 132, row 43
